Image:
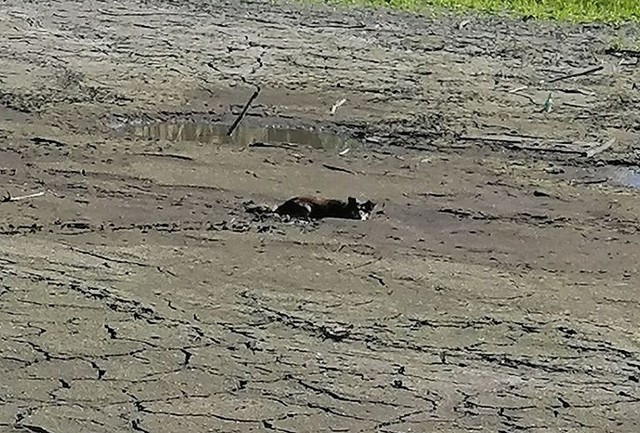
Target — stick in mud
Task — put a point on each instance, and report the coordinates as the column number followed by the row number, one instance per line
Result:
column 8, row 198
column 577, row 74
column 243, row 112
column 337, row 105
column 336, row 168
column 599, row 149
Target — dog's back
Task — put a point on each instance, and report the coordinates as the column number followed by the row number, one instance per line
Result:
column 318, row 208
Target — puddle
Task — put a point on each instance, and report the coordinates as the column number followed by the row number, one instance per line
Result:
column 628, row 177
column 211, row 133
column 625, row 176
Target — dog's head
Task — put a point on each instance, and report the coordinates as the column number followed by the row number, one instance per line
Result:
column 365, row 209
column 360, row 210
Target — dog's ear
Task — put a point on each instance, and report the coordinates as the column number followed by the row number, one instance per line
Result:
column 351, row 201
column 368, row 205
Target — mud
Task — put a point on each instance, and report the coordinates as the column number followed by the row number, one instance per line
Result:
column 495, row 288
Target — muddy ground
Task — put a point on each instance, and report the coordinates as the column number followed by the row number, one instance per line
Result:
column 496, row 288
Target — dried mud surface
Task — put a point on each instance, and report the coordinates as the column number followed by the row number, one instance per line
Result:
column 496, row 290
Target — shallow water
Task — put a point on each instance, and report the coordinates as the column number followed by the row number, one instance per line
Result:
column 625, row 176
column 211, row 133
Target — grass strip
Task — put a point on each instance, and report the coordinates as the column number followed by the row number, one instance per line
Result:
column 577, row 11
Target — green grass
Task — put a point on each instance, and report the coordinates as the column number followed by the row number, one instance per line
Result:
column 620, row 44
column 582, row 11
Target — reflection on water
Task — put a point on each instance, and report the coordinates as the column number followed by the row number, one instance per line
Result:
column 210, row 133
column 627, row 176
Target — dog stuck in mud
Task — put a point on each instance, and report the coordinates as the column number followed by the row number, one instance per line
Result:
column 316, row 208
column 319, row 208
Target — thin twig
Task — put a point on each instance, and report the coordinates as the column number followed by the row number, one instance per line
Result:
column 166, row 155
column 577, row 74
column 337, row 105
column 336, row 168
column 580, row 91
column 110, row 259
column 283, row 145
column 599, row 149
column 8, row 197
column 533, row 101
column 244, row 111
column 518, row 89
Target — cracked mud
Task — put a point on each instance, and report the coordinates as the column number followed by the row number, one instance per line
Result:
column 495, row 290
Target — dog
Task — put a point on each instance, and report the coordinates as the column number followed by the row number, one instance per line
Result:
column 317, row 208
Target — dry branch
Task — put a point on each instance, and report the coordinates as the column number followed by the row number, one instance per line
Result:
column 336, row 168
column 8, row 198
column 577, row 74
